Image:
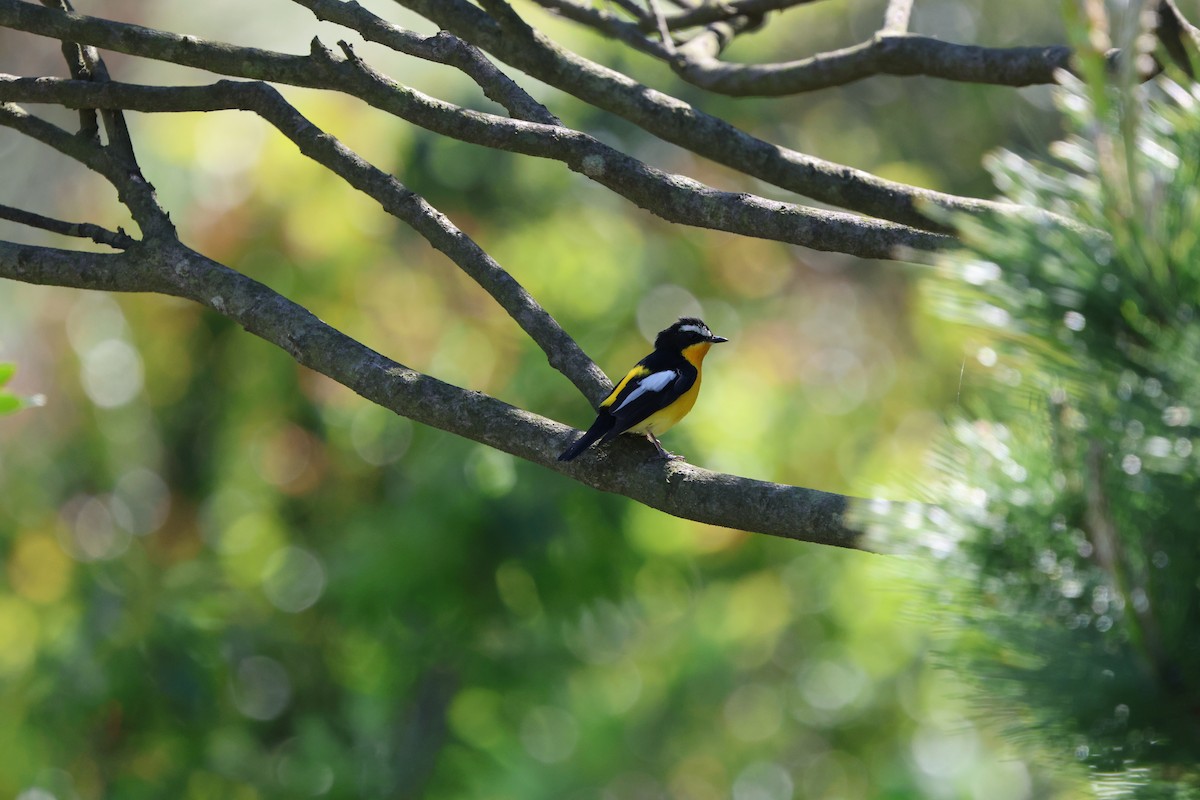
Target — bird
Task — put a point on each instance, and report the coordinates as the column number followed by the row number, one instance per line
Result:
column 658, row 392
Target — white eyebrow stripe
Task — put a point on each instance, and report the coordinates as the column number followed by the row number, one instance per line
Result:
column 694, row 329
column 654, row 382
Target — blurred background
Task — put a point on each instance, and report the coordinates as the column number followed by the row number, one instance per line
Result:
column 225, row 576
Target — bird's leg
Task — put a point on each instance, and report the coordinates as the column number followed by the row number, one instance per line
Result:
column 658, row 446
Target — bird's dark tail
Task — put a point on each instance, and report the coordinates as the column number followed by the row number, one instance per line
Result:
column 601, row 426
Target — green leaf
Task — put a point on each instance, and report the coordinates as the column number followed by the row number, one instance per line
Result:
column 10, row 403
column 6, row 372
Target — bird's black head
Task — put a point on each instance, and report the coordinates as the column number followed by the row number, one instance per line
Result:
column 685, row 332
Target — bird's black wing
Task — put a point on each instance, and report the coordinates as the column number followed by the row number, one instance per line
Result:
column 653, row 392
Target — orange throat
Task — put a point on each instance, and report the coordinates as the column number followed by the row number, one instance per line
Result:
column 695, row 353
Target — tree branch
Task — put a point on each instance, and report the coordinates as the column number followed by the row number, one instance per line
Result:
column 627, row 467
column 719, row 11
column 132, row 189
column 562, row 351
column 883, row 54
column 442, row 48
column 118, row 239
column 896, row 16
column 684, row 125
column 891, row 51
column 77, row 64
column 672, row 197
column 611, row 25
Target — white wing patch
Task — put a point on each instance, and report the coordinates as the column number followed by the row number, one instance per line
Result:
column 655, row 382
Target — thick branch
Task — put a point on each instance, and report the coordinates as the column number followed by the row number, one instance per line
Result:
column 627, row 467
column 672, row 197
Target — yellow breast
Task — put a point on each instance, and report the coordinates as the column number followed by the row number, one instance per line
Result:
column 664, row 420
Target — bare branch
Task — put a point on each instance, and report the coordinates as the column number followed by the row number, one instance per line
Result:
column 262, row 99
column 132, row 189
column 887, row 53
column 631, row 8
column 443, row 48
column 884, row 54
column 672, row 197
column 664, row 33
column 118, row 239
column 682, row 124
column 712, row 40
column 895, row 18
column 718, row 11
column 611, row 25
column 627, row 467
column 891, row 51
column 89, row 126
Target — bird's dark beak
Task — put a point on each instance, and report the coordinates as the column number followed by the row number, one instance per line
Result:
column 717, row 339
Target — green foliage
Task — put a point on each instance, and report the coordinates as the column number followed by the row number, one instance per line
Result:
column 1071, row 499
column 9, row 402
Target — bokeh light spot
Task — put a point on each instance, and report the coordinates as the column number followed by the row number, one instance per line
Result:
column 763, row 780
column 93, row 532
column 943, row 752
column 111, row 373
column 549, row 734
column 145, row 496
column 754, row 712
column 490, row 471
column 379, row 436
column 664, row 304
column 293, row 579
column 261, row 688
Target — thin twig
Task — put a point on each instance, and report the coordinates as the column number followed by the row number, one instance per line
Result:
column 611, row 25
column 130, row 187
column 707, row 13
column 118, row 239
column 442, row 48
column 896, row 17
column 89, row 126
column 664, row 32
column 631, row 8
